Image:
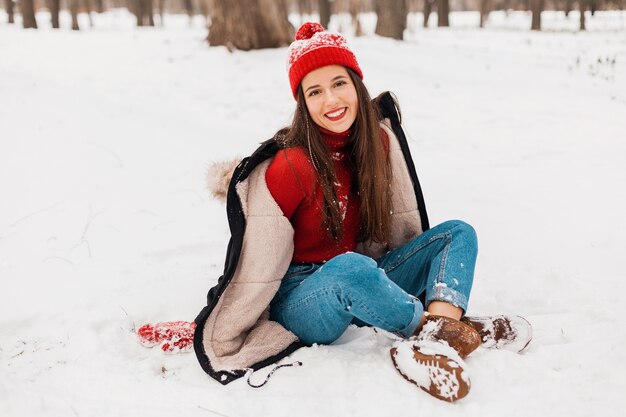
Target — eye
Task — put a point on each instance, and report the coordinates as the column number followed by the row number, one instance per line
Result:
column 340, row 83
column 313, row 93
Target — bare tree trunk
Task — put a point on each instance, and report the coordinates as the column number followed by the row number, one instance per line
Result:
column 324, row 8
column 54, row 6
column 341, row 7
column 73, row 4
column 391, row 18
column 99, row 6
column 484, row 12
column 9, row 9
column 250, row 24
column 150, row 12
column 135, row 6
column 204, row 8
column 356, row 7
column 443, row 10
column 87, row 5
column 582, row 5
column 536, row 7
column 143, row 12
column 188, row 8
column 161, row 6
column 28, row 14
column 304, row 9
column 568, row 7
column 428, row 8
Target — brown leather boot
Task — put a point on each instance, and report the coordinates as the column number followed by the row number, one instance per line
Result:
column 436, row 373
column 512, row 333
column 461, row 337
column 433, row 359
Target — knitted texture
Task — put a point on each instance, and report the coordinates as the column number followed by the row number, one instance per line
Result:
column 172, row 336
column 294, row 184
column 315, row 48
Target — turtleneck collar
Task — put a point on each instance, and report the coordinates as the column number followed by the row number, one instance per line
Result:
column 335, row 141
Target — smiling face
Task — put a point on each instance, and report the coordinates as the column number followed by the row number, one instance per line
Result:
column 331, row 98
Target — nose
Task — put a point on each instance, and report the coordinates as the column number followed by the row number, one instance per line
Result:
column 331, row 98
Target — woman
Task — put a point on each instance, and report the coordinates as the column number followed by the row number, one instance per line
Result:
column 342, row 186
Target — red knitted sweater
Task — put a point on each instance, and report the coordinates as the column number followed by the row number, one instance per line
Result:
column 294, row 184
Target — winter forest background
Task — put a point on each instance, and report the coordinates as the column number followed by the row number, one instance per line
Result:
column 111, row 112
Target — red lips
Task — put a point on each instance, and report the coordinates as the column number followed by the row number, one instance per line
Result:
column 339, row 117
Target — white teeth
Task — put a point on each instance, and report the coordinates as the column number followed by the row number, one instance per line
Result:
column 336, row 113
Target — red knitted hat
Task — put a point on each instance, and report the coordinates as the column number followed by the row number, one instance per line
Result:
column 314, row 48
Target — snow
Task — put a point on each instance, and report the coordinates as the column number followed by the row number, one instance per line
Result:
column 105, row 223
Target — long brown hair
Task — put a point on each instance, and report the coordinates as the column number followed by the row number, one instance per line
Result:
column 368, row 156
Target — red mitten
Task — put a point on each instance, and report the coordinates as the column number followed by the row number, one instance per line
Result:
column 174, row 336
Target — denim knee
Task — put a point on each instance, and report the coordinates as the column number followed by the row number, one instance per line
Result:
column 353, row 269
column 463, row 230
column 346, row 287
column 352, row 259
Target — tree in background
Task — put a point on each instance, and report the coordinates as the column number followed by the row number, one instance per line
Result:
column 161, row 12
column 250, row 24
column 324, row 9
column 428, row 9
column 536, row 7
column 483, row 6
column 8, row 4
column 304, row 7
column 391, row 18
column 391, row 13
column 28, row 14
column 205, row 9
column 144, row 12
column 582, row 6
column 54, row 6
column 356, row 8
column 342, row 7
column 567, row 7
column 188, row 7
column 443, row 12
column 74, row 4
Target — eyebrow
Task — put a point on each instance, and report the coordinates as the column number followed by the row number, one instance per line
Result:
column 333, row 80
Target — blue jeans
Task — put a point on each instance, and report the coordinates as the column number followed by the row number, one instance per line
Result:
column 317, row 302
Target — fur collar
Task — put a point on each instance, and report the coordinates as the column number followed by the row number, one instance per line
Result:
column 218, row 178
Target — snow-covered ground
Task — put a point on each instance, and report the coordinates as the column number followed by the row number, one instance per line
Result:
column 105, row 223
